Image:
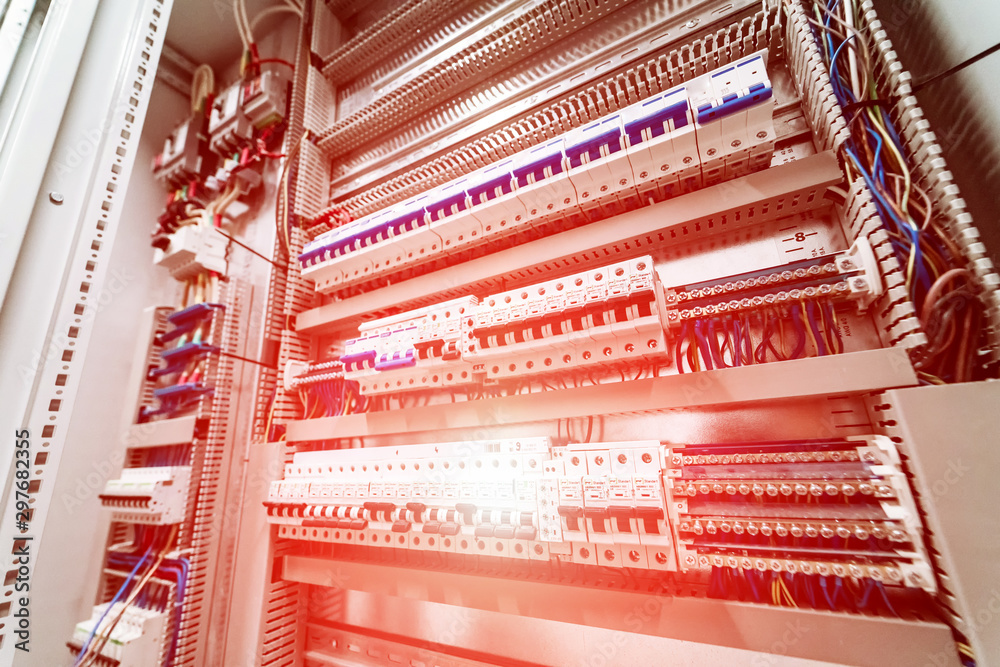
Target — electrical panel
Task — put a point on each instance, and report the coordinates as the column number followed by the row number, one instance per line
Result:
column 538, row 316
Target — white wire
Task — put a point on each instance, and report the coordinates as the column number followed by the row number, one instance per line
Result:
column 270, row 11
column 239, row 24
column 852, row 58
column 246, row 21
column 202, row 85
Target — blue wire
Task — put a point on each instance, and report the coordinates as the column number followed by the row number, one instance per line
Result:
column 885, row 210
column 713, row 345
column 891, row 128
column 750, row 576
column 877, row 169
column 703, row 345
column 814, row 326
column 111, row 604
column 885, row 597
column 835, row 77
column 685, row 332
column 810, row 590
column 826, row 593
column 737, row 343
column 180, row 569
column 863, row 602
column 800, row 331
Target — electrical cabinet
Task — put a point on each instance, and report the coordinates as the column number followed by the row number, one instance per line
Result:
column 546, row 332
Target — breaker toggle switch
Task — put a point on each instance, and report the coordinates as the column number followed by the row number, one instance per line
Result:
column 418, row 509
column 597, row 518
column 622, row 517
column 572, row 516
column 449, row 528
column 650, row 518
column 375, row 508
column 504, row 532
column 468, row 512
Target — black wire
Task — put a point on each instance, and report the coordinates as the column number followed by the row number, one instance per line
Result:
column 917, row 87
column 242, row 245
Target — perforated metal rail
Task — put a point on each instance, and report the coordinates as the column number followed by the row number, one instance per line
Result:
column 933, row 175
column 599, row 53
column 528, row 29
column 386, row 34
column 635, row 84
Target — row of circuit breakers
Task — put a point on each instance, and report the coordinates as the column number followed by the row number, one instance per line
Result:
column 839, row 508
column 612, row 315
column 715, row 127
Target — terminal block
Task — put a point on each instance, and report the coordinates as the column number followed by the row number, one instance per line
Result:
column 155, row 496
column 522, row 499
column 246, row 106
column 607, row 316
column 193, row 249
column 471, row 497
column 831, row 508
column 418, row 349
column 611, row 504
column 182, row 157
column 604, row 316
column 849, row 277
column 716, row 126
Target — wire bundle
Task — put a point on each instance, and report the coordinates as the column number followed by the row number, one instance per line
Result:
column 330, row 397
column 245, row 27
column 174, row 569
column 945, row 300
column 787, row 589
column 167, row 456
column 90, row 652
column 758, row 337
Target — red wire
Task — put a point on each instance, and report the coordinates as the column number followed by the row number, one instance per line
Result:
column 279, row 61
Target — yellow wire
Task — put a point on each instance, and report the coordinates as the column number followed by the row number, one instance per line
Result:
column 899, row 159
column 270, row 417
column 812, row 336
column 787, row 594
